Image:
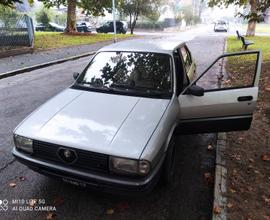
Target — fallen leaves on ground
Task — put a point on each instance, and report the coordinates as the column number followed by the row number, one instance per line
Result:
column 257, row 171
column 217, row 210
column 251, row 181
column 250, row 189
column 21, row 178
column 266, row 199
column 12, row 184
column 265, row 157
column 229, row 205
column 109, row 211
column 32, row 202
column 50, row 216
column 227, row 81
column 234, row 172
column 251, row 160
column 210, row 147
column 232, row 190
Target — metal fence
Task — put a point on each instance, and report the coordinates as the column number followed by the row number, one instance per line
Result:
column 17, row 31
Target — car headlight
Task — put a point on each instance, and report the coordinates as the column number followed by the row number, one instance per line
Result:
column 129, row 166
column 23, row 143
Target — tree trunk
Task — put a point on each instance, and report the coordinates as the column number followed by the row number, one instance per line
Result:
column 132, row 26
column 133, row 23
column 252, row 21
column 131, row 30
column 251, row 28
column 71, row 16
column 130, row 23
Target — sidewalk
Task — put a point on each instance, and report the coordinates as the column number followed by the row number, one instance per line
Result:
column 30, row 59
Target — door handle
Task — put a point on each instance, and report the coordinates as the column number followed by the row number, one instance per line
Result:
column 244, row 98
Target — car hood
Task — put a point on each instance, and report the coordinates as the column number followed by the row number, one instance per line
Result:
column 111, row 124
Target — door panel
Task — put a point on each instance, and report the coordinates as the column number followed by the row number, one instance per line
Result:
column 220, row 109
column 218, row 103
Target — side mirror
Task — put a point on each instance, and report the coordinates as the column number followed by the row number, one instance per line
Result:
column 195, row 90
column 76, row 75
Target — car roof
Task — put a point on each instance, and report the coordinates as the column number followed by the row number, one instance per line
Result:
column 144, row 45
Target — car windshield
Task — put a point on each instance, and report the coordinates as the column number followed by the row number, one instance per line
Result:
column 131, row 73
column 221, row 22
column 107, row 24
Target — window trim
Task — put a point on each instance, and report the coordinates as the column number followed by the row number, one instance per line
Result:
column 180, row 79
column 257, row 52
column 188, row 54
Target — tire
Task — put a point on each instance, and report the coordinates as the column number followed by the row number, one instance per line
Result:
column 168, row 173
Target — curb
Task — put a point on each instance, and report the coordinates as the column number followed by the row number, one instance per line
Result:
column 42, row 65
column 220, row 188
column 15, row 52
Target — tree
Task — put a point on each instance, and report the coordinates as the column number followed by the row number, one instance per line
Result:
column 134, row 8
column 43, row 16
column 188, row 14
column 10, row 3
column 90, row 7
column 153, row 16
column 257, row 8
column 8, row 16
column 60, row 18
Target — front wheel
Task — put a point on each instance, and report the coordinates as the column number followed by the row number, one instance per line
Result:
column 169, row 163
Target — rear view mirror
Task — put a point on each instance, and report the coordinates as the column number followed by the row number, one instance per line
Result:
column 195, row 90
column 76, row 75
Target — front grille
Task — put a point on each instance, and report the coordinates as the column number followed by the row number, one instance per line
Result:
column 87, row 160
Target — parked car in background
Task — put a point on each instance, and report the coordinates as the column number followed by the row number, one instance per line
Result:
column 115, row 127
column 221, row 26
column 51, row 27
column 83, row 26
column 121, row 27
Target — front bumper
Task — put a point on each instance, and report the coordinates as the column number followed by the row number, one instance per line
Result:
column 102, row 182
column 221, row 29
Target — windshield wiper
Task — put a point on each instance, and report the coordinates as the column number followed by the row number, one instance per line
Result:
column 121, row 86
column 125, row 89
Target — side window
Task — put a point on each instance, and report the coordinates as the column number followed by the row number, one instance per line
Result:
column 230, row 72
column 186, row 58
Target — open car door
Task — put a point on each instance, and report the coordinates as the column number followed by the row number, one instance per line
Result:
column 223, row 97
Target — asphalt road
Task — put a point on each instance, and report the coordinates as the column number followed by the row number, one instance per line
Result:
column 190, row 197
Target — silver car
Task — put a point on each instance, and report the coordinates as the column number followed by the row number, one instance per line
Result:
column 221, row 26
column 114, row 127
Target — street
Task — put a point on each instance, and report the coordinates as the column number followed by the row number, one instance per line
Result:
column 190, row 197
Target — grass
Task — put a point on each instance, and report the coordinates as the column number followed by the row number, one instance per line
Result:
column 260, row 28
column 49, row 40
column 260, row 42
